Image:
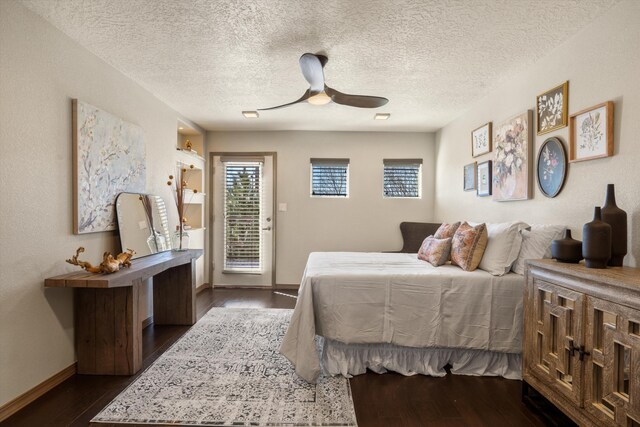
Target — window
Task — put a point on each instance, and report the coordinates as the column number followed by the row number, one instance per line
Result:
column 402, row 178
column 330, row 177
column 242, row 216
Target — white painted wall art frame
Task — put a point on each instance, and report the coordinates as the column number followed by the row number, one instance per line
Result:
column 108, row 158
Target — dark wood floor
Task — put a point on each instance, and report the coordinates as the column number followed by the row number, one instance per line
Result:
column 388, row 400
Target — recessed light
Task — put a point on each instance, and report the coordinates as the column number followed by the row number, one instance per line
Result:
column 381, row 116
column 250, row 114
column 180, row 128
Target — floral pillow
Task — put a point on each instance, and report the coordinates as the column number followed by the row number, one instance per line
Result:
column 468, row 246
column 435, row 251
column 446, row 230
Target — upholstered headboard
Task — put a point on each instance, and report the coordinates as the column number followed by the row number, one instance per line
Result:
column 413, row 233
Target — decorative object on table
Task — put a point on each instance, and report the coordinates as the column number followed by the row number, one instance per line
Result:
column 181, row 189
column 231, row 379
column 188, row 145
column 552, row 109
column 617, row 219
column 591, row 133
column 481, row 140
column 108, row 265
column 143, row 223
column 512, row 145
column 552, row 167
column 567, row 249
column 596, row 241
column 484, row 170
column 108, row 158
column 470, row 176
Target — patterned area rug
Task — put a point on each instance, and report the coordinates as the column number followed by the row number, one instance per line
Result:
column 226, row 371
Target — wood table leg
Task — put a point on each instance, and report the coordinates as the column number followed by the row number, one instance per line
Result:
column 174, row 295
column 108, row 330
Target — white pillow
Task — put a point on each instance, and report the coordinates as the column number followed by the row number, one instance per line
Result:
column 503, row 247
column 536, row 243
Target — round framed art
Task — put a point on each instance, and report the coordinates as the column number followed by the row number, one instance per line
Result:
column 552, row 167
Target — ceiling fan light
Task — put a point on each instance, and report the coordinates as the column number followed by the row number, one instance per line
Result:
column 381, row 116
column 250, row 114
column 319, row 99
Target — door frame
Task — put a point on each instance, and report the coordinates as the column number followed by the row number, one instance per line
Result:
column 274, row 221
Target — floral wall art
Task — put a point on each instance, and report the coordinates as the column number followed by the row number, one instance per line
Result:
column 552, row 109
column 109, row 158
column 512, row 143
column 552, row 167
column 591, row 133
column 481, row 140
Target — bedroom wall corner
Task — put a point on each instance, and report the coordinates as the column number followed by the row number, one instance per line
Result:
column 601, row 63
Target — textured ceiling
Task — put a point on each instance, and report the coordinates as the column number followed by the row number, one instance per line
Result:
column 209, row 60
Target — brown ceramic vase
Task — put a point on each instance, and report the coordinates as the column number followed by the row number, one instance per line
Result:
column 617, row 219
column 596, row 242
column 567, row 249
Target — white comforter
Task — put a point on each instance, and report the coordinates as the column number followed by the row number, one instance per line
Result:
column 355, row 297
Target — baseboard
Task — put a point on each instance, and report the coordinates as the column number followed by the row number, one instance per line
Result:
column 203, row 287
column 10, row 408
column 146, row 322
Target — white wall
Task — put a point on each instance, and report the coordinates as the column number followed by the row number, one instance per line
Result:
column 41, row 70
column 365, row 221
column 602, row 63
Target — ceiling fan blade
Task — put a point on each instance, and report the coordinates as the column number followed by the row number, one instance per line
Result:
column 311, row 67
column 360, row 101
column 303, row 98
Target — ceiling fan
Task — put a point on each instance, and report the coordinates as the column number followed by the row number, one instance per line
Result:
column 320, row 94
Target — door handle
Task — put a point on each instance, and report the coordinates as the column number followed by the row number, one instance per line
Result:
column 267, row 228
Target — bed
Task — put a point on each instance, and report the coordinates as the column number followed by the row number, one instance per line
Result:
column 392, row 311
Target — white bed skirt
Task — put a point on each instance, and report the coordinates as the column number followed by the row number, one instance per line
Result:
column 353, row 359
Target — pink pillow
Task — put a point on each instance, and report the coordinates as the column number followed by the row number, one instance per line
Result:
column 435, row 251
column 446, row 230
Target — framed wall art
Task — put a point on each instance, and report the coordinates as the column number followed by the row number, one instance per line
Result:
column 470, row 177
column 591, row 133
column 484, row 178
column 512, row 142
column 481, row 140
column 552, row 109
column 108, row 158
column 552, row 167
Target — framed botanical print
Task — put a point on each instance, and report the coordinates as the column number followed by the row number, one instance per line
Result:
column 484, row 178
column 552, row 167
column 513, row 142
column 552, row 109
column 591, row 133
column 470, row 177
column 481, row 140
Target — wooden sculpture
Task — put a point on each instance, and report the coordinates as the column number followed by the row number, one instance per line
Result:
column 108, row 265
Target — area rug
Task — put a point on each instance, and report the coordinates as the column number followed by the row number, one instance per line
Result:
column 226, row 371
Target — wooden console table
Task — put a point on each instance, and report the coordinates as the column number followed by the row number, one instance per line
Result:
column 108, row 327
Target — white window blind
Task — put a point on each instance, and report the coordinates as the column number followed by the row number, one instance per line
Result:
column 402, row 177
column 243, row 217
column 330, row 177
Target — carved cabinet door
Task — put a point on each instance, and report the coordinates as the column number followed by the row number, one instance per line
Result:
column 612, row 370
column 556, row 332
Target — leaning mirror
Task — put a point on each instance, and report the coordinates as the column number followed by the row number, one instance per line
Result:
column 143, row 223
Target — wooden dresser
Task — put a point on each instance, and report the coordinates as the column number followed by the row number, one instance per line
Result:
column 582, row 340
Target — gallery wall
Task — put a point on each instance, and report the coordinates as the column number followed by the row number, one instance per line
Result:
column 601, row 63
column 366, row 221
column 41, row 70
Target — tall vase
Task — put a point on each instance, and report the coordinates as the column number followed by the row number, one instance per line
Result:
column 181, row 239
column 617, row 219
column 596, row 241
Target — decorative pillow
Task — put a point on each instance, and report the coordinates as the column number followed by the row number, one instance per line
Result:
column 536, row 244
column 468, row 246
column 435, row 251
column 503, row 247
column 446, row 230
